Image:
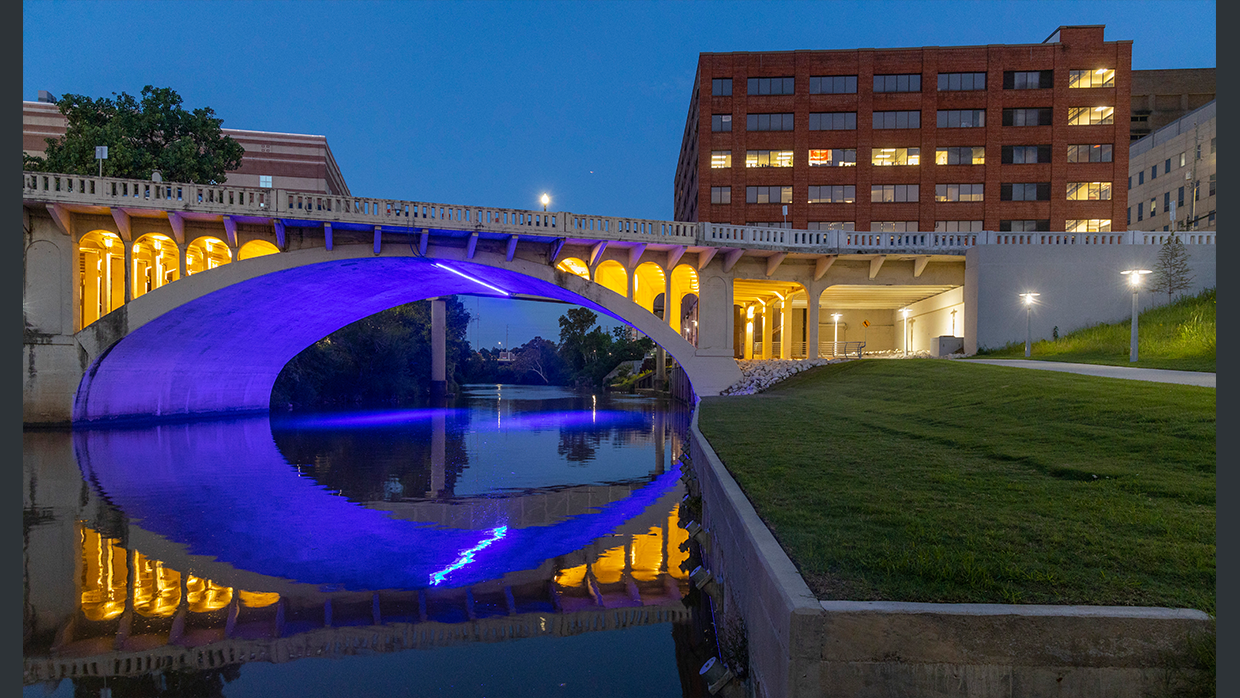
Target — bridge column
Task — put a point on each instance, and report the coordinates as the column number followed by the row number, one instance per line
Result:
column 128, row 271
column 768, row 330
column 785, row 329
column 811, row 332
column 439, row 381
column 748, row 320
column 182, row 261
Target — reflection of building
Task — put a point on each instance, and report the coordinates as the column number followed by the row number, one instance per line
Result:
column 279, row 160
column 1162, row 96
column 951, row 139
column 1166, row 167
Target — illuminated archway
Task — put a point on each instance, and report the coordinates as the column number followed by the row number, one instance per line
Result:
column 155, row 262
column 612, row 275
column 206, row 253
column 779, row 315
column 573, row 265
column 648, row 284
column 684, row 281
column 101, row 282
column 256, row 248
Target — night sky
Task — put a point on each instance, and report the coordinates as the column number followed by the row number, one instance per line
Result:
column 493, row 103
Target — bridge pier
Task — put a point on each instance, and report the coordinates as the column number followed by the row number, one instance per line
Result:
column 439, row 380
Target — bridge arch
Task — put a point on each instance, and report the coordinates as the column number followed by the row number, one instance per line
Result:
column 101, row 259
column 206, row 252
column 156, row 262
column 612, row 275
column 256, row 248
column 159, row 355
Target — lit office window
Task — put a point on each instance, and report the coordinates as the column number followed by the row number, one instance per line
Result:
column 1024, row 154
column 770, row 86
column 897, row 119
column 961, row 118
column 1090, row 116
column 1098, row 152
column 832, row 194
column 957, row 226
column 893, row 226
column 768, row 122
column 768, row 195
column 966, row 155
column 1025, row 226
column 721, row 195
column 833, row 85
column 1028, row 79
column 895, row 156
column 952, row 82
column 720, row 122
column 1091, row 191
column 1040, row 116
column 1025, row 191
column 1153, row 207
column 721, row 87
column 893, row 193
column 833, row 157
column 897, row 83
column 1087, row 225
column 720, row 159
column 833, row 121
column 1100, row 77
column 831, row 225
column 768, row 158
column 958, row 192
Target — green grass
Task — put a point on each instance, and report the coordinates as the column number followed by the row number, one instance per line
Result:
column 1180, row 335
column 945, row 481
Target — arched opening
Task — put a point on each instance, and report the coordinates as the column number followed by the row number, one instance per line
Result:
column 612, row 275
column 206, row 253
column 574, row 266
column 689, row 318
column 684, row 281
column 771, row 319
column 101, row 275
column 256, row 248
column 648, row 284
column 155, row 262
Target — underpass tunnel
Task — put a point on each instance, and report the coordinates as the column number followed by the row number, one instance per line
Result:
column 770, row 319
column 101, row 275
column 612, row 275
column 683, row 283
column 576, row 266
column 206, row 253
column 648, row 284
column 156, row 262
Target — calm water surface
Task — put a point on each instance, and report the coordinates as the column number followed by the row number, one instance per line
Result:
column 521, row 541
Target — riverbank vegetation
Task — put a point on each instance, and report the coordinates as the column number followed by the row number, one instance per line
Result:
column 945, row 481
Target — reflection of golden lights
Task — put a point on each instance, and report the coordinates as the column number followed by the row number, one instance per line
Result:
column 104, row 583
column 256, row 599
column 205, row 595
column 157, row 590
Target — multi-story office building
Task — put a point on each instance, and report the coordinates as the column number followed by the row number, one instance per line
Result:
column 1000, row 137
column 1162, row 96
column 1174, row 165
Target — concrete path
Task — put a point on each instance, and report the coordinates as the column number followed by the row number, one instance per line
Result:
column 1156, row 375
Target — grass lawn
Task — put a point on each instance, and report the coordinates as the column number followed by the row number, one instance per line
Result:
column 945, row 481
column 1180, row 335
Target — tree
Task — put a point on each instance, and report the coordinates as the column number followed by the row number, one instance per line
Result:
column 156, row 133
column 1171, row 271
column 539, row 356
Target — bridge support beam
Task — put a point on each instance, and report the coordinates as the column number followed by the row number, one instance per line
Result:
column 785, row 330
column 439, row 314
column 768, row 329
column 811, row 332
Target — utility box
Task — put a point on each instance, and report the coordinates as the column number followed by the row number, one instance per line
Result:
column 942, row 346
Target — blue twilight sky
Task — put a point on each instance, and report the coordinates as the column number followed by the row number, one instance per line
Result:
column 495, row 102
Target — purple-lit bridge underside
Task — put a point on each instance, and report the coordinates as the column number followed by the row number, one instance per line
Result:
column 215, row 342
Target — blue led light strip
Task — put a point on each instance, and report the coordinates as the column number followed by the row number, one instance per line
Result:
column 467, row 276
column 468, row 555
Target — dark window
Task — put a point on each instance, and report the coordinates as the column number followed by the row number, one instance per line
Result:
column 1028, row 226
column 1130, row 182
column 889, row 193
column 1140, row 211
column 1167, row 166
column 897, row 83
column 1129, row 215
column 897, row 119
column 1141, row 178
column 832, row 194
column 1025, row 191
column 768, row 122
column 1167, row 201
column 721, row 87
column 721, row 195
column 1100, row 152
column 833, row 121
column 770, row 86
column 1154, row 173
column 959, row 192
column 721, row 122
column 963, row 155
column 833, row 85
column 1024, row 154
column 1028, row 79
column 951, row 82
column 961, row 118
column 1213, row 184
column 1040, row 116
column 768, row 195
column 1180, row 197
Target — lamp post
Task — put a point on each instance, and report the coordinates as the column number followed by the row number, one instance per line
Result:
column 1028, row 296
column 545, row 200
column 906, row 312
column 835, row 340
column 1134, row 280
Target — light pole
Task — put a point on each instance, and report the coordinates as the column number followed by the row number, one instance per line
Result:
column 906, row 312
column 1028, row 296
column 545, row 200
column 835, row 341
column 1134, row 280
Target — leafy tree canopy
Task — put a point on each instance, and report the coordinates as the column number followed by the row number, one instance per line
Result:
column 156, row 133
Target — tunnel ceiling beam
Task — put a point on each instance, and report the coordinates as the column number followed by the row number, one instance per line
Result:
column 673, row 257
column 123, row 224
column 177, row 221
column 773, row 262
column 731, row 258
column 705, row 256
column 822, row 264
column 635, row 255
column 596, row 252
column 230, row 231
column 919, row 265
column 876, row 263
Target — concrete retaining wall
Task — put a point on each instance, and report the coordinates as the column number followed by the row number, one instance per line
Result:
column 800, row 646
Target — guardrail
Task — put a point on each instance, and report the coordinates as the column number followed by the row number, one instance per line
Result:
column 285, row 204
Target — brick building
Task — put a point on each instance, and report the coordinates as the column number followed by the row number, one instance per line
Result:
column 954, row 139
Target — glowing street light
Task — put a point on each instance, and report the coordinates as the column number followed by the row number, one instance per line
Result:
column 545, row 200
column 1028, row 296
column 835, row 347
column 1134, row 280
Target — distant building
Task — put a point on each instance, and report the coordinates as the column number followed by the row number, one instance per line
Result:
column 1162, row 96
column 949, row 139
column 280, row 160
column 1161, row 168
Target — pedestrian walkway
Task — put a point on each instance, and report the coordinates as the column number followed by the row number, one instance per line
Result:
column 1156, row 375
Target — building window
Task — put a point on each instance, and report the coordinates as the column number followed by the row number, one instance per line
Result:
column 264, row 181
column 1153, row 206
column 893, row 226
column 961, row 118
column 833, row 121
column 1167, row 201
column 1101, row 77
column 1090, row 116
column 958, row 192
column 768, row 158
column 833, row 194
column 1025, row 191
column 770, row 86
column 1028, row 79
column 1213, row 184
column 720, row 122
column 720, row 159
column 1089, row 191
column 1140, row 178
column 1210, row 220
column 895, row 156
column 769, row 224
column 1140, row 211
column 721, row 87
column 1024, row 154
column 1099, row 152
column 1167, row 166
column 952, row 82
column 1026, row 226
column 768, row 195
column 1180, row 198
column 1130, row 182
column 965, row 155
column 768, row 122
column 833, row 85
column 834, row 157
column 893, row 193
column 1088, row 225
column 721, row 195
column 1129, row 215
column 1154, row 173
column 831, row 225
column 897, row 83
column 1197, row 190
column 1040, row 116
column 897, row 119
column 957, row 226
column 1183, row 159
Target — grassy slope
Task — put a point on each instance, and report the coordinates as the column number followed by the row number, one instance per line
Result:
column 954, row 482
column 1180, row 335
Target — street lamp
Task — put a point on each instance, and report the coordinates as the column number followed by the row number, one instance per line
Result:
column 835, row 343
column 906, row 312
column 545, row 200
column 1134, row 280
column 1028, row 296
